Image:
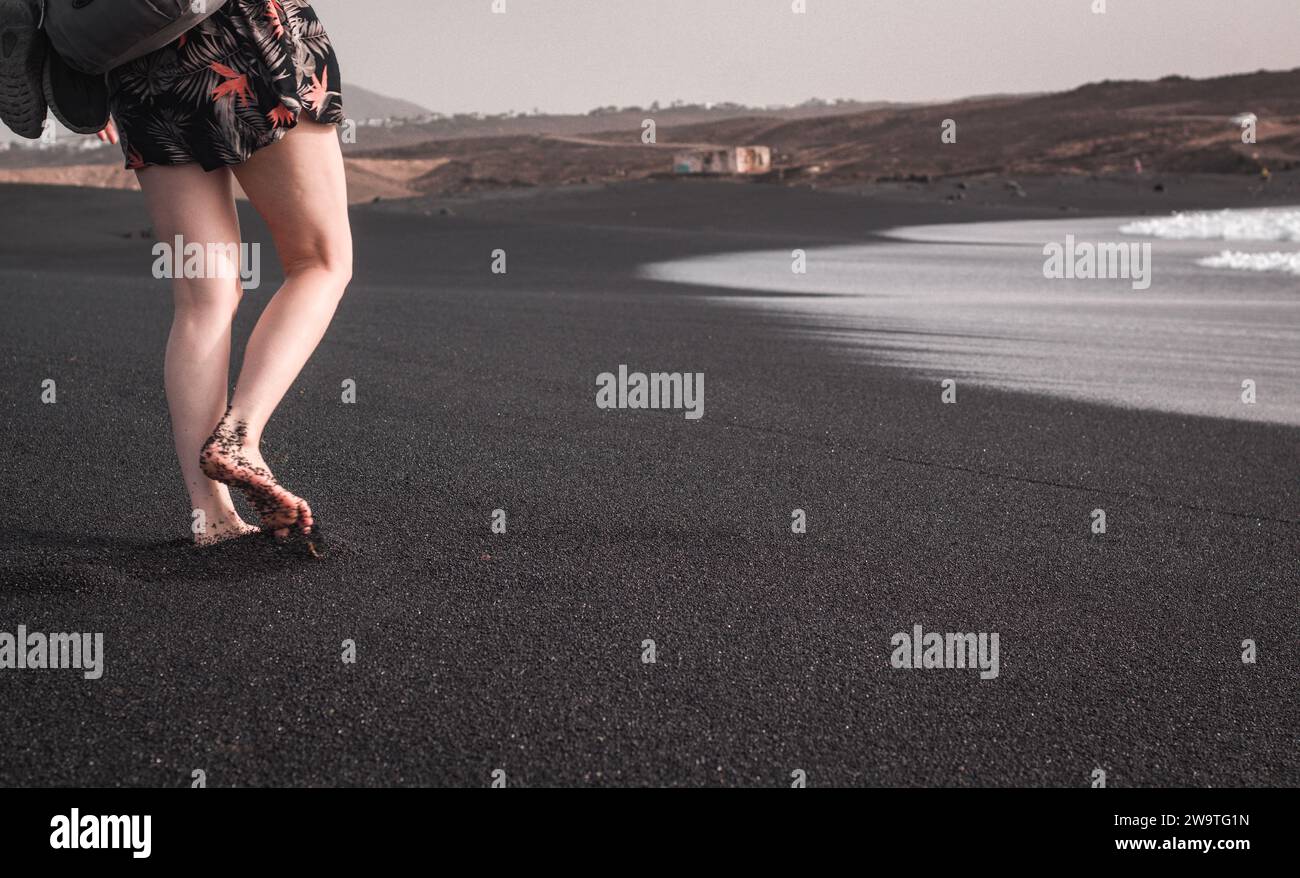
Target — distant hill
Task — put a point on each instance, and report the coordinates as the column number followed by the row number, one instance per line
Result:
column 1174, row 125
column 362, row 103
column 410, row 130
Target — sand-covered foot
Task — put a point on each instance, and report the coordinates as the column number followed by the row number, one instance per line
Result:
column 227, row 457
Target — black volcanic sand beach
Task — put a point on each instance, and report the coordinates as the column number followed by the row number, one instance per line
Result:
column 523, row 651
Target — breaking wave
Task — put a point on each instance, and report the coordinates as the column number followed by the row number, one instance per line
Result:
column 1221, row 225
column 1275, row 261
column 1241, row 226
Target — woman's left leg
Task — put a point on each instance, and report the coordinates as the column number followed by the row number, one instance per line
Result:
column 299, row 188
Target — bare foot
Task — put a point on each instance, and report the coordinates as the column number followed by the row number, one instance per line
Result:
column 228, row 458
column 225, row 530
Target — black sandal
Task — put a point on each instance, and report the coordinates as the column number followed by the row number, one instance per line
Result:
column 23, row 46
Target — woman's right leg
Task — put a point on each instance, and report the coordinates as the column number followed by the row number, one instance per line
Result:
column 199, row 207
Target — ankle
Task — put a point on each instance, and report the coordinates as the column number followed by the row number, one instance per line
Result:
column 231, row 436
column 239, row 427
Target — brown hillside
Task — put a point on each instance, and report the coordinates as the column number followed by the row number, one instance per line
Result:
column 1172, row 125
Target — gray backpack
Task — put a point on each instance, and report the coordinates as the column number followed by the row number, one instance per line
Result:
column 94, row 36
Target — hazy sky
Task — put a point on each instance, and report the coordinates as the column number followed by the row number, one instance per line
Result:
column 573, row 55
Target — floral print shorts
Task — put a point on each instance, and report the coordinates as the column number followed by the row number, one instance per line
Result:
column 232, row 85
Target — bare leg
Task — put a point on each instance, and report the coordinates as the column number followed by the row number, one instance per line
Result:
column 298, row 187
column 200, row 208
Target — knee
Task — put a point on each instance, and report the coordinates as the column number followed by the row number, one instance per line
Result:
column 332, row 260
column 201, row 303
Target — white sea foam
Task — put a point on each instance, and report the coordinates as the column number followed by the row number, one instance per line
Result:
column 1221, row 225
column 1275, row 261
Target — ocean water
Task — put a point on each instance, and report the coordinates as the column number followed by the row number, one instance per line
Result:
column 971, row 302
